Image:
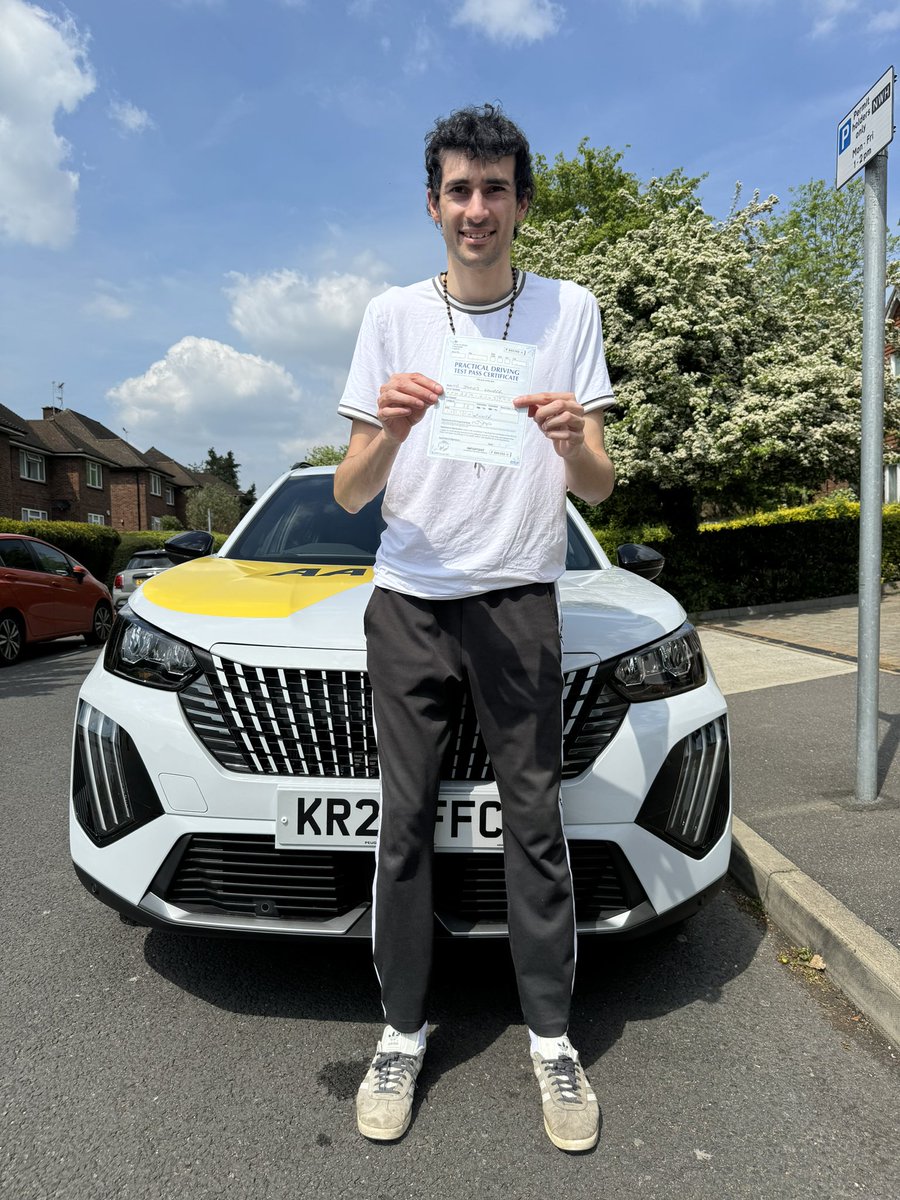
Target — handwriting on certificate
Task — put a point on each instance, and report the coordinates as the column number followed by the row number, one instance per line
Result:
column 474, row 420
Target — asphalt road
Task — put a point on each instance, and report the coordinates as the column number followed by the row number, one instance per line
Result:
column 792, row 719
column 140, row 1065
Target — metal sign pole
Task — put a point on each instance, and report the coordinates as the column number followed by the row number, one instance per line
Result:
column 871, row 478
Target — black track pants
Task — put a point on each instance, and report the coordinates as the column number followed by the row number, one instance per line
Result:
column 506, row 643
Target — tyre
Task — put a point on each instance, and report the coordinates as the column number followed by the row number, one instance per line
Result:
column 12, row 638
column 101, row 625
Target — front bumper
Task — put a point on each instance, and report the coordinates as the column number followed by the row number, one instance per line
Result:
column 178, row 869
column 155, row 915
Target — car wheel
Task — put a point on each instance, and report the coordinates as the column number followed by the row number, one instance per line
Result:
column 101, row 627
column 12, row 638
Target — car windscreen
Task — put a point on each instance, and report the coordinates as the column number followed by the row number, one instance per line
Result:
column 303, row 523
column 579, row 556
column 152, row 562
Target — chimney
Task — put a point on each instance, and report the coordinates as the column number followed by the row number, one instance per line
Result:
column 50, row 412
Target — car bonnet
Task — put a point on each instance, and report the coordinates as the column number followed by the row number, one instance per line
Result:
column 219, row 600
column 216, row 600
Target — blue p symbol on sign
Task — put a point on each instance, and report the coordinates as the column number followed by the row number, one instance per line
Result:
column 844, row 136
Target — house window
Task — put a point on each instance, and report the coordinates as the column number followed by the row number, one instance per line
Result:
column 155, row 484
column 894, row 360
column 94, row 474
column 892, row 484
column 34, row 514
column 170, row 494
column 156, row 522
column 96, row 519
column 31, row 466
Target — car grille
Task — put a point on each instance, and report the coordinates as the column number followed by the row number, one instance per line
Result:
column 274, row 721
column 246, row 874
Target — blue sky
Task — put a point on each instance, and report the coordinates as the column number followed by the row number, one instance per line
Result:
column 198, row 197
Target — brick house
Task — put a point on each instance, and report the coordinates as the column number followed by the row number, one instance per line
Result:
column 27, row 489
column 69, row 467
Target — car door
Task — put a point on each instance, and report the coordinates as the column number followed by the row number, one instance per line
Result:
column 25, row 586
column 72, row 607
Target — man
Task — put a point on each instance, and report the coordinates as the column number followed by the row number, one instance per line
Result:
column 465, row 595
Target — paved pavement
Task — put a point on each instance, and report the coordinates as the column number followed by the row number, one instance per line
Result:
column 825, row 868
column 829, row 626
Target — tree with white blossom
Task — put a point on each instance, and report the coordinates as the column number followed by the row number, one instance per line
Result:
column 734, row 389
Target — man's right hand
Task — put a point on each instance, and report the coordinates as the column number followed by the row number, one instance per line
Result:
column 403, row 401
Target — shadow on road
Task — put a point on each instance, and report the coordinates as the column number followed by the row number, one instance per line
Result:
column 474, row 997
column 46, row 668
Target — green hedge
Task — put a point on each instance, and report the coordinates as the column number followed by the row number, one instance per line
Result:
column 100, row 548
column 94, row 546
column 790, row 554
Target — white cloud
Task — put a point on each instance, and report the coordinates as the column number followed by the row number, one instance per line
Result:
column 827, row 14
column 206, row 393
column 691, row 6
column 292, row 315
column 129, row 117
column 511, row 20
column 885, row 21
column 107, row 307
column 43, row 68
column 424, row 50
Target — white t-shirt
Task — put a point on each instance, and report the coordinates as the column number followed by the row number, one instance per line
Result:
column 458, row 528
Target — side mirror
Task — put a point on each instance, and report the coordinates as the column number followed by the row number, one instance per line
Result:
column 79, row 573
column 183, row 547
column 640, row 559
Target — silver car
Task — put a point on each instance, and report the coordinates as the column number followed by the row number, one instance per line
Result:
column 140, row 567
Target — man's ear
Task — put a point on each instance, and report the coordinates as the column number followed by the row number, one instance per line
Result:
column 521, row 209
column 434, row 210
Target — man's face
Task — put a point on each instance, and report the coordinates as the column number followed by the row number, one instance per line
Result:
column 477, row 208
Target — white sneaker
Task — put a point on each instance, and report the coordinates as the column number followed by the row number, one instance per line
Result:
column 571, row 1111
column 385, row 1097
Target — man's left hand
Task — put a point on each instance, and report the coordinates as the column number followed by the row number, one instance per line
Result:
column 559, row 417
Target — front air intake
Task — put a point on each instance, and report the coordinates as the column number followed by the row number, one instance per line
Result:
column 111, row 790
column 689, row 800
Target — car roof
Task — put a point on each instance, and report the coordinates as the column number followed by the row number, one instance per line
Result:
column 27, row 537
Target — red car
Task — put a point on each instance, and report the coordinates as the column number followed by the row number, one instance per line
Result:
column 45, row 594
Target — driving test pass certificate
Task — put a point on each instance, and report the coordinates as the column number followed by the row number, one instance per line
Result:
column 474, row 420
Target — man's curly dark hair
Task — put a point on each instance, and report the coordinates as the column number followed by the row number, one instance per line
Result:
column 484, row 133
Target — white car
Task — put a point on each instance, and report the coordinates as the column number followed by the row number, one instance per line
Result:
column 225, row 773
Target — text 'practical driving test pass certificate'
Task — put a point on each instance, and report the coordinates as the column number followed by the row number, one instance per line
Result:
column 474, row 420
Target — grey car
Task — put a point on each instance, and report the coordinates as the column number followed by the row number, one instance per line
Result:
column 141, row 566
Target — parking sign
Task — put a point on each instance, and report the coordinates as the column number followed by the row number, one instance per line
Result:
column 866, row 129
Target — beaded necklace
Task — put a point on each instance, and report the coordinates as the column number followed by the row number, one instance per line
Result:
column 512, row 303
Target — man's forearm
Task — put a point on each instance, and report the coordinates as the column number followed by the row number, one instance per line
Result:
column 365, row 470
column 590, row 474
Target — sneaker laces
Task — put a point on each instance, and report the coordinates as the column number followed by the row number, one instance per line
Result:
column 563, row 1074
column 389, row 1070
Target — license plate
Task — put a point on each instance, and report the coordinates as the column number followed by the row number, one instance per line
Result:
column 331, row 817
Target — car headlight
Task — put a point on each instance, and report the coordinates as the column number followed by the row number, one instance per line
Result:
column 143, row 654
column 666, row 668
